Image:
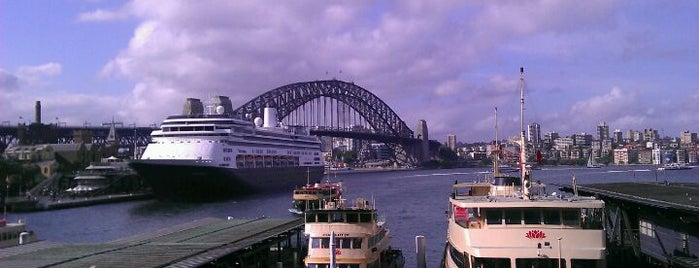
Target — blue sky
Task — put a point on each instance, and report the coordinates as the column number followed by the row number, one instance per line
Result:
column 633, row 64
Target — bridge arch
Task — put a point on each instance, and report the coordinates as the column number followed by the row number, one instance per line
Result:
column 290, row 97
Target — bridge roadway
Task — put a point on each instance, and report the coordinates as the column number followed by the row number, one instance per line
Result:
column 203, row 242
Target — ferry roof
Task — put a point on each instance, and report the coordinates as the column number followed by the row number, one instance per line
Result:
column 534, row 202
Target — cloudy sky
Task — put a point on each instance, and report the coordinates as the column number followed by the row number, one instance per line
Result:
column 633, row 64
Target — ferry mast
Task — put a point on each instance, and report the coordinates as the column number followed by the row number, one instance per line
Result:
column 524, row 174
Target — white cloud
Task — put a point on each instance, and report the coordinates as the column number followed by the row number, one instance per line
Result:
column 8, row 82
column 36, row 76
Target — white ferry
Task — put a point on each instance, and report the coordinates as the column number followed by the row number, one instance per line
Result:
column 204, row 156
column 349, row 237
column 508, row 221
column 15, row 233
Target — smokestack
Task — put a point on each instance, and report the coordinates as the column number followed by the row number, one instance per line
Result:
column 37, row 112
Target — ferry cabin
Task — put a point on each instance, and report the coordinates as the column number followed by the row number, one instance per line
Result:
column 360, row 241
column 488, row 226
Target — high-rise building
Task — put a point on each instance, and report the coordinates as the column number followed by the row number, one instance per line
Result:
column 534, row 134
column 618, row 137
column 687, row 137
column 451, row 142
column 650, row 134
column 603, row 130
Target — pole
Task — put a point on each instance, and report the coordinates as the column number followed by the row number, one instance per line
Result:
column 420, row 250
column 332, row 250
column 559, row 252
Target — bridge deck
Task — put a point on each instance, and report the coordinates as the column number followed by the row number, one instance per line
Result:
column 187, row 245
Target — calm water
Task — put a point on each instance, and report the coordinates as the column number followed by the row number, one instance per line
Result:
column 413, row 203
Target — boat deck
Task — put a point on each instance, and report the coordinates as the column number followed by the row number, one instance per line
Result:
column 187, row 245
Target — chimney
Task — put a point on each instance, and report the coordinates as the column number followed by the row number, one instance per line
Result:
column 37, row 112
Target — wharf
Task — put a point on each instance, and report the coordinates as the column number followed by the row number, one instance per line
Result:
column 649, row 224
column 682, row 197
column 209, row 241
column 47, row 203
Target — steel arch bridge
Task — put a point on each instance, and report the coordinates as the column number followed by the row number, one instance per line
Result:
column 290, row 98
column 336, row 108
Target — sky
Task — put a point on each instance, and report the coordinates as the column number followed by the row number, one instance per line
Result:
column 631, row 64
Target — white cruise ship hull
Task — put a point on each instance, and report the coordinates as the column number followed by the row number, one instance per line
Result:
column 188, row 180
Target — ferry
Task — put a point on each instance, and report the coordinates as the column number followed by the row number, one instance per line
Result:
column 13, row 234
column 214, row 155
column 352, row 237
column 110, row 175
column 674, row 166
column 315, row 196
column 511, row 221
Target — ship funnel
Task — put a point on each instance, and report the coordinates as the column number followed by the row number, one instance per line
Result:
column 270, row 117
column 224, row 102
column 193, row 107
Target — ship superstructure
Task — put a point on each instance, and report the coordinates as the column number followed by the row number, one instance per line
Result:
column 214, row 155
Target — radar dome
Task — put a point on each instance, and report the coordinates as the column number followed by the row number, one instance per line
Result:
column 258, row 121
column 220, row 109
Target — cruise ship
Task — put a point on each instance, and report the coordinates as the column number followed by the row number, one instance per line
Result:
column 212, row 155
column 511, row 221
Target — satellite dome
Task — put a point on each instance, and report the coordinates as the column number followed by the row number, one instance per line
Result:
column 220, row 109
column 258, row 121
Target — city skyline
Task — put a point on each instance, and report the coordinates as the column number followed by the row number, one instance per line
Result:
column 630, row 64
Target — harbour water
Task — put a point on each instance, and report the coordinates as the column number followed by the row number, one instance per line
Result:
column 413, row 203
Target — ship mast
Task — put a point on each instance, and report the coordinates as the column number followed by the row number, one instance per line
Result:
column 524, row 173
column 496, row 159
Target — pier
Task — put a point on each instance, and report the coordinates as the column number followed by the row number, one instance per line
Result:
column 259, row 242
column 650, row 224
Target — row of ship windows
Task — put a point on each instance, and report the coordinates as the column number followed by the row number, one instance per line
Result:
column 338, row 265
column 259, row 161
column 337, row 216
column 463, row 260
column 573, row 217
column 346, row 242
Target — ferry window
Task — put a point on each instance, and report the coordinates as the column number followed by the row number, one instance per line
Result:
column 325, row 242
column 552, row 216
column 538, row 262
column 592, row 218
column 338, row 217
column 492, row 262
column 513, row 216
column 646, row 228
column 322, row 217
column 571, row 217
column 344, row 242
column 493, row 216
column 352, row 217
column 315, row 242
column 209, row 128
column 576, row 263
column 348, row 265
column 365, row 217
column 460, row 259
column 310, row 217
column 532, row 216
column 356, row 243
column 318, row 265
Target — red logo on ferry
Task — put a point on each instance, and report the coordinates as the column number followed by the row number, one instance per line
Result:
column 535, row 234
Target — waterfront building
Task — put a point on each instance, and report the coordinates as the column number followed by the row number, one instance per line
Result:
column 621, row 156
column 681, row 156
column 451, row 142
column 618, row 137
column 534, row 135
column 607, row 147
column 563, row 144
column 582, row 139
column 687, row 137
column 650, row 134
column 603, row 130
column 645, row 157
